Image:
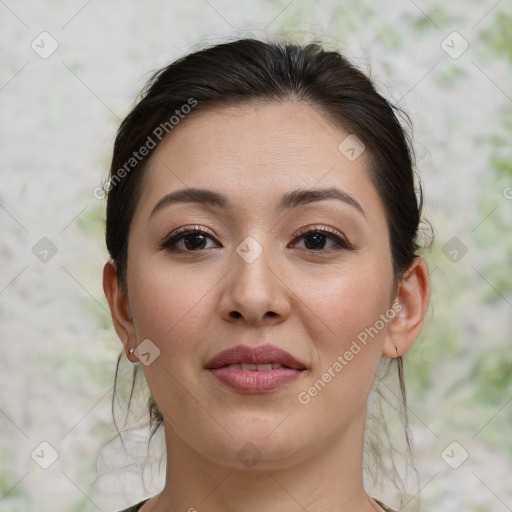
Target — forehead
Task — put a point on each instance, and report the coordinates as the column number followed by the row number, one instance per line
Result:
column 256, row 153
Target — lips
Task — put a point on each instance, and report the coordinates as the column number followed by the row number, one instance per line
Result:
column 255, row 358
column 255, row 370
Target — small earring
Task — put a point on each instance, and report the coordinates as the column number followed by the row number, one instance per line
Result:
column 132, row 356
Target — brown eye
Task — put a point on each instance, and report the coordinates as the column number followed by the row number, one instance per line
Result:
column 187, row 240
column 316, row 240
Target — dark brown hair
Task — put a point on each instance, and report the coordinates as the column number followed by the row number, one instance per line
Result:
column 247, row 71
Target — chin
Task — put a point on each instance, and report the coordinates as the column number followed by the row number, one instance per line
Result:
column 257, row 447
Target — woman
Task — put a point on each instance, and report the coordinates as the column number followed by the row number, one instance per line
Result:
column 262, row 223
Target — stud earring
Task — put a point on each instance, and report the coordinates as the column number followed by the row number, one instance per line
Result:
column 131, row 357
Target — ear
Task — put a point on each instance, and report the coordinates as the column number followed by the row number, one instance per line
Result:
column 411, row 306
column 119, row 309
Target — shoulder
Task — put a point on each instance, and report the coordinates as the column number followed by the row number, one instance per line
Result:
column 134, row 508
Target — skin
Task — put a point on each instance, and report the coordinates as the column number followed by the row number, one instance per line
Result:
column 312, row 302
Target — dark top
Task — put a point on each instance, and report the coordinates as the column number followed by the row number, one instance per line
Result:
column 135, row 508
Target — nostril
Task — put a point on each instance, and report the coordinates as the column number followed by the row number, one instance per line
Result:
column 235, row 314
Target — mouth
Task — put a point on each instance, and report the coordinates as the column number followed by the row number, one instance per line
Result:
column 250, row 367
column 260, row 358
column 255, row 370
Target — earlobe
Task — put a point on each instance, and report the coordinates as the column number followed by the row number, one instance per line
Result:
column 412, row 297
column 119, row 308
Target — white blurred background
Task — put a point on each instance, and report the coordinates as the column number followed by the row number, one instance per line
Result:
column 69, row 73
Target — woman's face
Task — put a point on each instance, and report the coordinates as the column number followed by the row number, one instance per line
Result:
column 261, row 272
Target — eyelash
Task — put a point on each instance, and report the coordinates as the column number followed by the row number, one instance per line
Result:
column 170, row 242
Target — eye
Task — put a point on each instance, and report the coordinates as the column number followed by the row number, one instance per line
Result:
column 315, row 239
column 187, row 240
column 194, row 239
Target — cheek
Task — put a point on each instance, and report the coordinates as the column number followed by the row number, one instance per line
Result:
column 344, row 302
column 172, row 308
column 345, row 322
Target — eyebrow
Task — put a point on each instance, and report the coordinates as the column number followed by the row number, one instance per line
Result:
column 288, row 201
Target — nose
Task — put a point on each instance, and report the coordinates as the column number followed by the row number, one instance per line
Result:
column 254, row 292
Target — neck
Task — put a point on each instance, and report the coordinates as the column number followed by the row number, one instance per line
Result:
column 330, row 479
